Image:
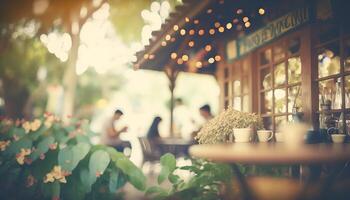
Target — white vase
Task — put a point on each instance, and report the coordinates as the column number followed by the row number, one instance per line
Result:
column 242, row 134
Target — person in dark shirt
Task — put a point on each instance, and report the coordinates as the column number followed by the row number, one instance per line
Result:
column 153, row 131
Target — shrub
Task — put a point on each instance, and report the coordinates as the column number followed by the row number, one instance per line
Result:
column 48, row 159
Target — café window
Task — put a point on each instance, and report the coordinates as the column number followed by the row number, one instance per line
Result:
column 236, row 85
column 279, row 81
column 333, row 65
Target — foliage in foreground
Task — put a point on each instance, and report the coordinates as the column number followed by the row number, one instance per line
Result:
column 219, row 128
column 47, row 159
column 207, row 180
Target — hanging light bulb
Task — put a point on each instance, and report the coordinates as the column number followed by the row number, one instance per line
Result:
column 191, row 32
column 221, row 29
column 176, row 27
column 191, row 43
column 180, row 61
column 207, row 47
column 187, row 19
column 196, row 21
column 172, row 39
column 229, row 26
column 212, row 31
column 151, row 57
column 184, row 57
column 199, row 64
column 239, row 11
column 211, row 60
column 217, row 58
column 247, row 24
column 145, row 56
column 173, row 55
column 182, row 32
column 201, row 32
column 261, row 11
column 163, row 43
column 245, row 19
column 209, row 11
column 235, row 20
column 217, row 24
column 167, row 37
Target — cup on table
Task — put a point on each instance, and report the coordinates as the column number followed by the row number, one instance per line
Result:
column 338, row 138
column 242, row 134
column 264, row 135
column 293, row 134
column 279, row 137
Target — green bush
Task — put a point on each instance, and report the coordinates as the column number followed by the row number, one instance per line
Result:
column 48, row 159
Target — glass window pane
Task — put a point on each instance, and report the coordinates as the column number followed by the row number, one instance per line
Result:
column 347, row 91
column 330, row 90
column 294, row 46
column 245, row 85
column 266, row 78
column 245, row 103
column 280, row 101
column 279, row 121
column 278, row 53
column 280, row 74
column 236, row 87
column 265, row 57
column 328, row 60
column 294, row 98
column 294, row 70
column 237, row 103
column 347, row 55
column 266, row 102
column 267, row 123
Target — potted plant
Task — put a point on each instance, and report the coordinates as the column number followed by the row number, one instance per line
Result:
column 222, row 127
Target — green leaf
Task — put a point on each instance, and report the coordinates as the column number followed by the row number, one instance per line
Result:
column 168, row 163
column 42, row 147
column 87, row 179
column 134, row 174
column 80, row 150
column 65, row 159
column 116, row 181
column 174, row 179
column 158, row 191
column 99, row 161
column 16, row 146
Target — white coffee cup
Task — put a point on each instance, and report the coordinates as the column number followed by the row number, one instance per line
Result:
column 264, row 135
column 338, row 138
column 242, row 134
column 279, row 137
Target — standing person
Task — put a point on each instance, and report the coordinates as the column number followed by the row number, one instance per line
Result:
column 110, row 135
column 205, row 112
column 153, row 131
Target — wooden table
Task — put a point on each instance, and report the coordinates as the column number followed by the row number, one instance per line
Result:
column 273, row 153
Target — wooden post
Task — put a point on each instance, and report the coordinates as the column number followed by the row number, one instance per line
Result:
column 172, row 75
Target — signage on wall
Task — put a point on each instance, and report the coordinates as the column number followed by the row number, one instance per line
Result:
column 268, row 33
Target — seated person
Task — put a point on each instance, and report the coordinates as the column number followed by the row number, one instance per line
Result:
column 110, row 135
column 153, row 131
column 205, row 112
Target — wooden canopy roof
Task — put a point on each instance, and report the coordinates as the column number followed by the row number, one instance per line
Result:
column 188, row 40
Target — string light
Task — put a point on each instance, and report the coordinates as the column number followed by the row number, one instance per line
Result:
column 221, row 2
column 245, row 19
column 173, row 55
column 201, row 32
column 211, row 60
column 151, row 57
column 176, row 27
column 261, row 11
column 185, row 57
column 211, row 31
column 191, row 43
column 247, row 24
column 187, row 19
column 167, row 37
column 221, row 29
column 182, row 32
column 239, row 11
column 235, row 20
column 217, row 24
column 163, row 44
column 199, row 64
column 191, row 32
column 145, row 56
column 196, row 21
column 180, row 61
column 208, row 47
column 229, row 26
column 172, row 39
column 217, row 58
column 209, row 11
